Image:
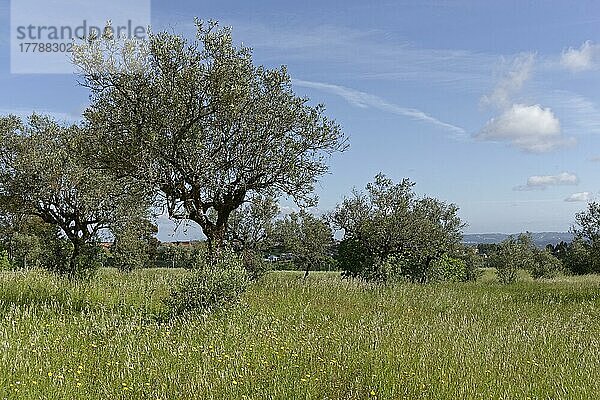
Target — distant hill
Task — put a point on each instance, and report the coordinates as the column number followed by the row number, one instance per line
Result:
column 541, row 239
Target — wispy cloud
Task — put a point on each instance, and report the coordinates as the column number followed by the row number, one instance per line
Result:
column 541, row 182
column 582, row 59
column 365, row 54
column 519, row 72
column 579, row 114
column 367, row 100
column 580, row 197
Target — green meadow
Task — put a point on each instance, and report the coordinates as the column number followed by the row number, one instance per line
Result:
column 290, row 338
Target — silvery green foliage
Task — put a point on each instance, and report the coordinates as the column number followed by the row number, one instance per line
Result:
column 308, row 238
column 250, row 226
column 585, row 249
column 5, row 264
column 217, row 284
column 43, row 174
column 132, row 244
column 514, row 254
column 388, row 226
column 544, row 265
column 202, row 124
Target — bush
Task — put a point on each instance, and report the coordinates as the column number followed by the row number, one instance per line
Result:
column 5, row 264
column 215, row 285
column 520, row 253
column 507, row 260
column 449, row 269
column 254, row 264
column 512, row 254
column 578, row 257
column 389, row 232
column 473, row 263
column 544, row 265
column 129, row 253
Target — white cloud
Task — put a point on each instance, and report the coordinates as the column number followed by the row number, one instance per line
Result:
column 541, row 182
column 581, row 196
column 530, row 128
column 366, row 100
column 581, row 59
column 512, row 82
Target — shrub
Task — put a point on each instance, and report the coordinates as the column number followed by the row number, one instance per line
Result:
column 520, row 253
column 129, row 253
column 216, row 285
column 473, row 263
column 578, row 257
column 507, row 260
column 4, row 261
column 544, row 265
column 448, row 269
column 506, row 271
column 254, row 264
column 389, row 220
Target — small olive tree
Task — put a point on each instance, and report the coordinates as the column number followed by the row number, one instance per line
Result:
column 133, row 245
column 520, row 253
column 584, row 253
column 42, row 174
column 391, row 233
column 308, row 238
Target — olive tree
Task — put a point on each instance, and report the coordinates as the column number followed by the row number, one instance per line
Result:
column 520, row 253
column 28, row 240
column 202, row 124
column 390, row 232
column 583, row 255
column 42, row 174
column 134, row 244
column 250, row 226
column 308, row 238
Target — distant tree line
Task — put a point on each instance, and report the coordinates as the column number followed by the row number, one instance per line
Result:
column 580, row 256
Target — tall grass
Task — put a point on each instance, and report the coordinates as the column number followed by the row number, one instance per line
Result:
column 295, row 339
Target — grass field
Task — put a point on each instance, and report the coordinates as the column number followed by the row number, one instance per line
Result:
column 292, row 339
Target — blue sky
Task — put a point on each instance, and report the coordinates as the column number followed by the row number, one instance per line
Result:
column 494, row 106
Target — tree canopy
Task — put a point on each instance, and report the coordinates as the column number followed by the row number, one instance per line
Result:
column 388, row 220
column 202, row 124
column 42, row 174
column 308, row 238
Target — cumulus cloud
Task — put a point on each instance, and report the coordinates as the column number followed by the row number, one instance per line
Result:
column 581, row 196
column 530, row 128
column 581, row 59
column 519, row 72
column 541, row 182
